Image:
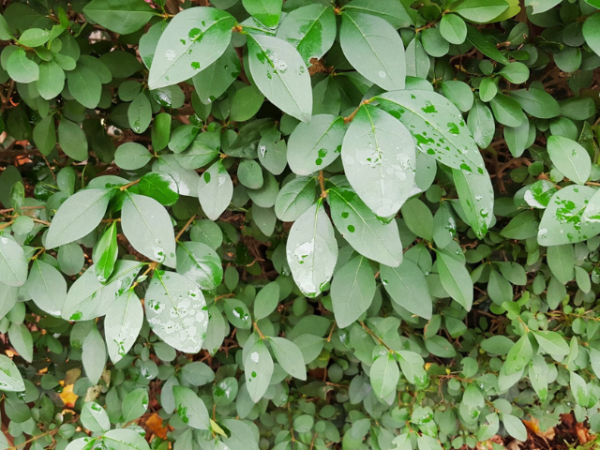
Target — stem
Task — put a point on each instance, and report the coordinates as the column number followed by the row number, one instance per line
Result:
column 368, row 330
column 125, row 187
column 262, row 336
column 350, row 118
column 151, row 266
column 184, row 228
column 321, row 179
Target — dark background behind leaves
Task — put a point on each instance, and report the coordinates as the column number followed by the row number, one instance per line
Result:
column 309, row 224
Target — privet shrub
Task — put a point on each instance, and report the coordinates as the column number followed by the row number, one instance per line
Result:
column 366, row 224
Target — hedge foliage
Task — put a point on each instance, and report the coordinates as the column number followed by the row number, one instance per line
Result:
column 299, row 225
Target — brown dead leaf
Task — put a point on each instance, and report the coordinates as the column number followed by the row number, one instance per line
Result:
column 533, row 425
column 155, row 424
column 68, row 397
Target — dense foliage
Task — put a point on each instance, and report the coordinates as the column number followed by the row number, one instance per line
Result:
column 310, row 224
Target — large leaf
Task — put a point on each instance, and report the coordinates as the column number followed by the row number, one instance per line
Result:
column 312, row 250
column 384, row 375
column 281, row 75
column 314, row 146
column 194, row 39
column 407, row 286
column 438, row 127
column 265, row 11
column 570, row 158
column 379, row 160
column 455, row 279
column 294, row 198
column 363, row 230
column 176, row 311
column 289, row 357
column 258, row 370
column 10, row 378
column 352, row 291
column 88, row 298
column 190, row 408
column 215, row 190
column 147, row 226
column 120, row 16
column 13, row 264
column 311, row 29
column 374, row 49
column 199, row 263
column 591, row 32
column 480, row 11
column 78, row 216
column 476, row 196
column 563, row 221
column 122, row 325
column 47, row 287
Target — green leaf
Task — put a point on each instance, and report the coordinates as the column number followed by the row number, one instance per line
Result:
column 392, row 11
column 379, row 160
column 561, row 260
column 214, row 80
column 384, row 375
column 312, row 250
column 455, row 279
column 437, row 125
column 34, row 37
column 197, row 373
column 507, row 111
column 266, row 300
column 536, row 102
column 135, row 404
column 289, row 357
column 514, row 427
column 122, row 325
column 295, row 198
column 407, row 286
column 127, row 439
column 147, row 226
column 199, row 263
column 105, row 253
column 237, row 313
column 132, row 156
column 363, row 230
column 479, row 11
column 311, row 29
column 72, row 140
column 281, row 75
column 10, row 377
column 22, row 69
column 366, row 41
column 13, row 264
column 476, row 196
column 314, row 146
column 485, row 46
column 139, row 113
column 85, row 86
column 245, row 103
column 552, row 343
column 352, row 291
column 439, row 346
column 5, row 33
column 563, row 221
column 265, row 11
column 190, row 408
column 428, row 443
column 88, row 298
column 120, row 16
column 453, row 29
column 591, row 32
column 194, row 39
column 93, row 355
column 47, row 287
column 258, row 370
column 161, row 131
column 94, row 418
column 459, row 93
column 78, row 216
column 540, row 6
column 481, row 123
column 570, row 158
column 579, row 389
column 215, row 190
column 44, row 135
column 21, row 340
column 176, row 311
column 161, row 187
column 518, row 356
column 51, row 81
column 418, row 218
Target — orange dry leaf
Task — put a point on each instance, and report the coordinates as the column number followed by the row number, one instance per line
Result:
column 68, row 397
column 155, row 424
column 533, row 425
